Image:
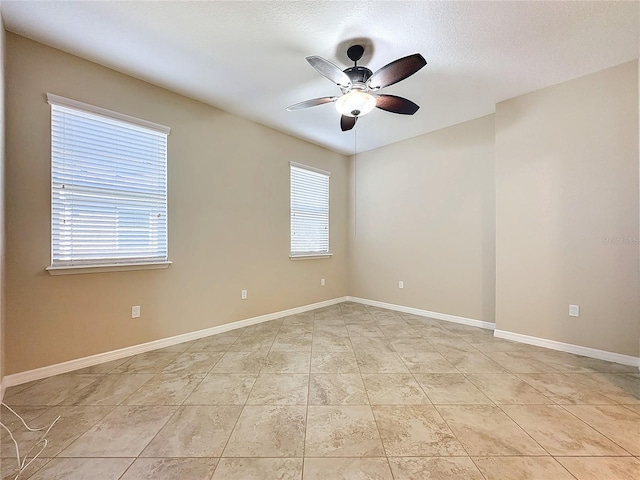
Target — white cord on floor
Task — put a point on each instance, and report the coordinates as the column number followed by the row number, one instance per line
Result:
column 23, row 464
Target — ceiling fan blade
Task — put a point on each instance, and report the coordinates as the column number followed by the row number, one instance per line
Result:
column 312, row 103
column 396, row 71
column 329, row 70
column 394, row 104
column 347, row 123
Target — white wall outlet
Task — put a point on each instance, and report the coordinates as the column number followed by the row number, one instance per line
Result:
column 243, row 295
column 400, row 284
column 135, row 311
column 322, row 283
column 574, row 310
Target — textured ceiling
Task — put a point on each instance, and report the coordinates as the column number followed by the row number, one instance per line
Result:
column 248, row 57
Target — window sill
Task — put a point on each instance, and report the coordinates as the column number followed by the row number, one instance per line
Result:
column 311, row 256
column 79, row 269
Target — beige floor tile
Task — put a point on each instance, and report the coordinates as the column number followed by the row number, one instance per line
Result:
column 620, row 388
column 434, row 468
column 372, row 344
column 504, row 402
column 411, row 344
column 359, row 330
column 564, row 388
column 614, row 421
column 73, row 422
column 634, row 408
column 486, row 430
column 109, row 390
column 165, row 389
column 279, row 389
column 347, row 469
column 333, row 362
column 384, row 314
column 102, row 368
column 474, row 363
column 124, row 432
column 452, row 348
column 601, row 468
column 396, row 329
column 331, row 343
column 296, row 329
column 380, row 362
column 83, row 469
column 222, row 389
column 304, row 318
column 193, row 362
column 335, row 328
column 506, row 389
column 251, row 342
column 559, row 432
column 214, row 343
column 28, row 414
column 177, row 348
column 520, row 362
column 195, row 431
column 415, row 430
column 287, row 362
column 268, row 431
column 292, row 343
column 393, row 389
column 50, row 391
column 522, row 468
column 450, row 388
column 342, row 431
column 269, row 328
column 241, row 362
column 149, row 362
column 427, row 362
column 337, row 389
column 9, row 469
column 171, row 469
column 359, row 318
column 259, row 469
column 563, row 362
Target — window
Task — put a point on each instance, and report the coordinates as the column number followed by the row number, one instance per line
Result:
column 108, row 189
column 309, row 212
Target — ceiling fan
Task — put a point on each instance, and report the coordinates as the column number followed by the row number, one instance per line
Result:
column 359, row 84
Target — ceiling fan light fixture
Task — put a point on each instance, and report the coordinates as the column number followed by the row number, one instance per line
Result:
column 355, row 103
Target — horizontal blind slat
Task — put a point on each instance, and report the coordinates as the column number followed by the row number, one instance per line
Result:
column 109, row 190
column 309, row 211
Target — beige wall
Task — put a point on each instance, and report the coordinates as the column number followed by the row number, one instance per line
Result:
column 557, row 170
column 567, row 212
column 2, row 210
column 228, row 220
column 423, row 212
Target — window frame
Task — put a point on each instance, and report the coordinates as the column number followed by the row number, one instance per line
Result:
column 93, row 266
column 311, row 254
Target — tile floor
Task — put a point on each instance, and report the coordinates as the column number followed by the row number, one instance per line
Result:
column 343, row 392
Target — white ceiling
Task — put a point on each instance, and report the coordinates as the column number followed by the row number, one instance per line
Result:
column 248, row 57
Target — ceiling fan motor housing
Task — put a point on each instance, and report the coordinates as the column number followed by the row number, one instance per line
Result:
column 358, row 74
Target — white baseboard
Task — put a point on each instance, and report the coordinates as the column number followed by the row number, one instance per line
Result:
column 425, row 313
column 569, row 348
column 77, row 364
column 2, row 389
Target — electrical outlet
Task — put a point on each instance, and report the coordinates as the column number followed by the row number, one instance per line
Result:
column 322, row 283
column 574, row 310
column 135, row 311
column 400, row 284
column 243, row 295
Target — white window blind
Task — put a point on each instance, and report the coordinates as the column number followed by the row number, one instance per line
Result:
column 108, row 187
column 309, row 211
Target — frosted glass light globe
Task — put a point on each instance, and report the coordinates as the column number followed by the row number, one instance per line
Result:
column 355, row 103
